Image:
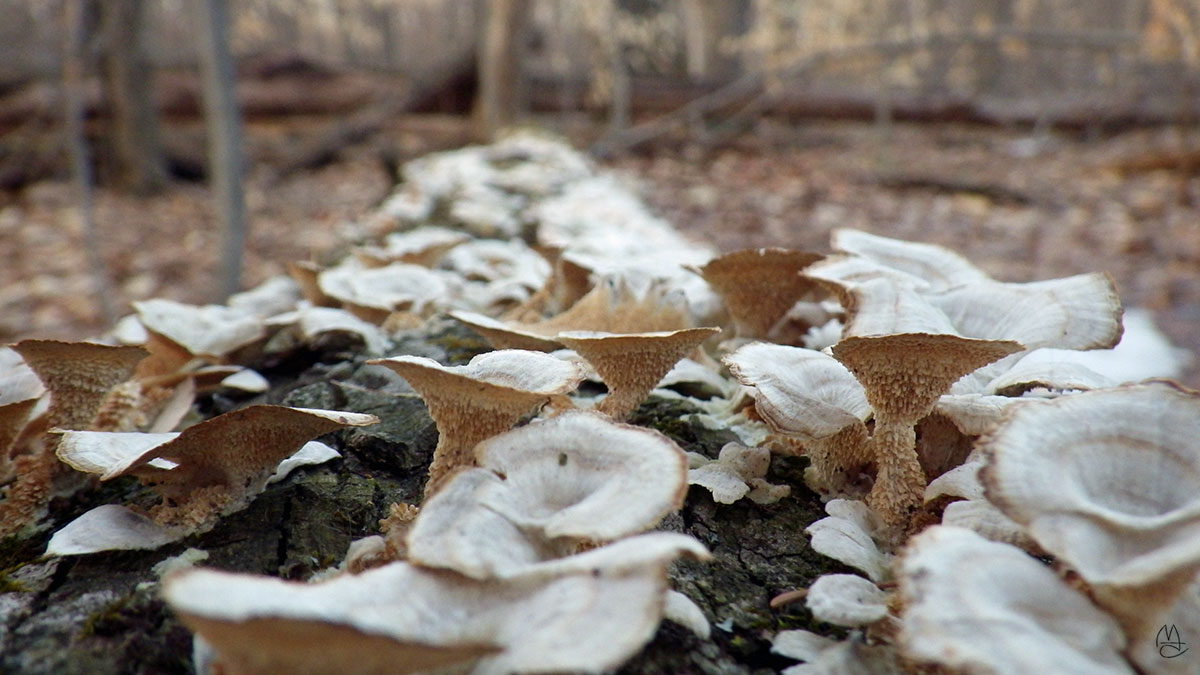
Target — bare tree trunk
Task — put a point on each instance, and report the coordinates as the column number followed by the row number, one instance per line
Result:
column 129, row 92
column 500, row 53
column 74, row 58
column 226, row 164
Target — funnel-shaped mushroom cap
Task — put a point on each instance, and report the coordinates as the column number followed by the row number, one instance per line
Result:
column 905, row 352
column 586, row 613
column 905, row 374
column 210, row 468
column 78, row 375
column 759, row 285
column 1080, row 312
column 799, row 391
column 976, row 606
column 481, row 399
column 631, row 364
column 209, row 331
column 546, row 487
column 939, row 268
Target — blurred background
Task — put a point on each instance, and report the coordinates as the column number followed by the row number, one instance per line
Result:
column 1041, row 138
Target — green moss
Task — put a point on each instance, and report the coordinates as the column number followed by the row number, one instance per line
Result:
column 10, row 585
column 460, row 343
column 676, row 419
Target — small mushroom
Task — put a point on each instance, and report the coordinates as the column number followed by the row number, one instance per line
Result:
column 906, row 355
column 422, row 246
column 206, row 471
column 760, row 285
column 210, row 332
column 78, row 375
column 481, row 399
column 1108, row 481
column 845, row 536
column 975, row 606
column 846, row 600
column 373, row 294
column 544, row 490
column 738, row 472
column 632, row 363
column 814, row 399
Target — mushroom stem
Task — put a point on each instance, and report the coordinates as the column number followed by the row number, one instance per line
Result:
column 457, row 450
column 835, row 460
column 899, row 481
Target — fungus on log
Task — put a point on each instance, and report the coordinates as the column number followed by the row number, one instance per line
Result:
column 481, row 399
column 632, row 363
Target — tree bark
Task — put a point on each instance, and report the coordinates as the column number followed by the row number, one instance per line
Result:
column 500, row 53
column 129, row 92
column 226, row 162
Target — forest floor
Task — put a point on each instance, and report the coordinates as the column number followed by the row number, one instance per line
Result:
column 1022, row 207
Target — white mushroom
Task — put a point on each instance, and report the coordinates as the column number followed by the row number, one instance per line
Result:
column 976, row 606
column 1109, row 482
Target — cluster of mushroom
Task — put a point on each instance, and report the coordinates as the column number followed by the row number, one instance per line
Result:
column 883, row 363
column 110, row 411
column 530, row 561
column 1034, row 454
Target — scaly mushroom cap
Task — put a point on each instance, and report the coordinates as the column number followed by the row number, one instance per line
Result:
column 759, row 285
column 545, row 488
column 904, row 374
column 1108, row 481
column 209, row 331
column 631, row 364
column 78, row 375
column 976, row 606
column 481, row 399
column 589, row 612
column 208, row 468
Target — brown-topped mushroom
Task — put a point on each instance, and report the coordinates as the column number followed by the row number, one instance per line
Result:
column 78, row 375
column 760, row 285
column 632, row 363
column 481, row 399
column 206, row 471
column 906, row 355
column 814, row 399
